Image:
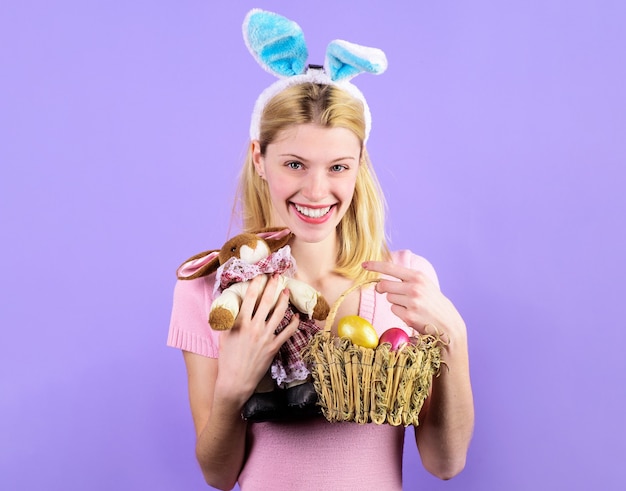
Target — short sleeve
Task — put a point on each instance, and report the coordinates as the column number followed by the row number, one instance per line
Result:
column 189, row 327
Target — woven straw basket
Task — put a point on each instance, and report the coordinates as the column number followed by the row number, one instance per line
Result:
column 371, row 385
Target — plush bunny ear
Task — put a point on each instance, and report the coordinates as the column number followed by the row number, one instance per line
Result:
column 276, row 43
column 276, row 237
column 345, row 60
column 199, row 265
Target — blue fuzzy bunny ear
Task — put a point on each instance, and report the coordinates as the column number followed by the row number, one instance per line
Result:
column 345, row 60
column 276, row 43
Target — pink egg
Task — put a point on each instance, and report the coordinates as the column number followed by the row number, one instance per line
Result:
column 396, row 337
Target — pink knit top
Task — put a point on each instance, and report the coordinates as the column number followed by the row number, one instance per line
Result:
column 314, row 454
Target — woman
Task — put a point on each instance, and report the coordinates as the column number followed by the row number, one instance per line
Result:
column 307, row 169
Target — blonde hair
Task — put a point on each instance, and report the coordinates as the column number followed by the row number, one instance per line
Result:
column 361, row 231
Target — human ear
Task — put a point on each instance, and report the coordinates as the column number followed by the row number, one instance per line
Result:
column 257, row 159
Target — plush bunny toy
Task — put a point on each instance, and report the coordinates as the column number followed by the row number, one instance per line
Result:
column 241, row 259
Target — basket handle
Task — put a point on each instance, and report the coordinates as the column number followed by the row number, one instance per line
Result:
column 333, row 310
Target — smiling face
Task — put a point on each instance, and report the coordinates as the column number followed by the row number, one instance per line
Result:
column 311, row 173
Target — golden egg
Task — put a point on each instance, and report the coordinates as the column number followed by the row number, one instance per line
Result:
column 358, row 330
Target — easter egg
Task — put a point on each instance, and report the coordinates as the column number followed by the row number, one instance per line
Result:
column 358, row 330
column 396, row 337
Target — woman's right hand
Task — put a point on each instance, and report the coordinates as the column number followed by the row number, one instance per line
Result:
column 247, row 350
column 219, row 388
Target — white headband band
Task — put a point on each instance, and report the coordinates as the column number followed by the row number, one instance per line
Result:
column 278, row 45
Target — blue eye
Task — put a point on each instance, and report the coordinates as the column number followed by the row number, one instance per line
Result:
column 338, row 168
column 294, row 165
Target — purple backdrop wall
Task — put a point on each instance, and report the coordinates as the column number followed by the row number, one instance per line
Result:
column 499, row 135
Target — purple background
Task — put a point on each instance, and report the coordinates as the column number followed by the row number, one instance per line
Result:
column 499, row 135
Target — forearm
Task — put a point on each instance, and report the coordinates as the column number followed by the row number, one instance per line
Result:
column 220, row 446
column 445, row 431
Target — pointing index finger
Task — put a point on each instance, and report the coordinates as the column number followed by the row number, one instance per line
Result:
column 388, row 268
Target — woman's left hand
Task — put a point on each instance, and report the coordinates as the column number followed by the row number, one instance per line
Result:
column 447, row 417
column 417, row 301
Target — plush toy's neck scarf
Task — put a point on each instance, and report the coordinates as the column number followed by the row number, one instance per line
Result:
column 235, row 270
column 278, row 45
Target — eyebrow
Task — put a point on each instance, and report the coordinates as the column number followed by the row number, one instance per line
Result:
column 293, row 155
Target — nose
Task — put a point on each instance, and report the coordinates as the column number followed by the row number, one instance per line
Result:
column 315, row 186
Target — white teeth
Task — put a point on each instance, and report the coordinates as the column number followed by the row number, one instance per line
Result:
column 313, row 212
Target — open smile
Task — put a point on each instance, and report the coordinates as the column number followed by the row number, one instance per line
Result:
column 317, row 214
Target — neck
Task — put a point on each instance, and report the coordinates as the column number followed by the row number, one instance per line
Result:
column 315, row 261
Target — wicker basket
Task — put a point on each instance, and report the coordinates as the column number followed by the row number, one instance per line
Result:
column 371, row 385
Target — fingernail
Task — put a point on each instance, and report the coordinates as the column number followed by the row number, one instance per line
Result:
column 365, row 265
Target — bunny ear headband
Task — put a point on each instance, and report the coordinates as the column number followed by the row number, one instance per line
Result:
column 278, row 45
